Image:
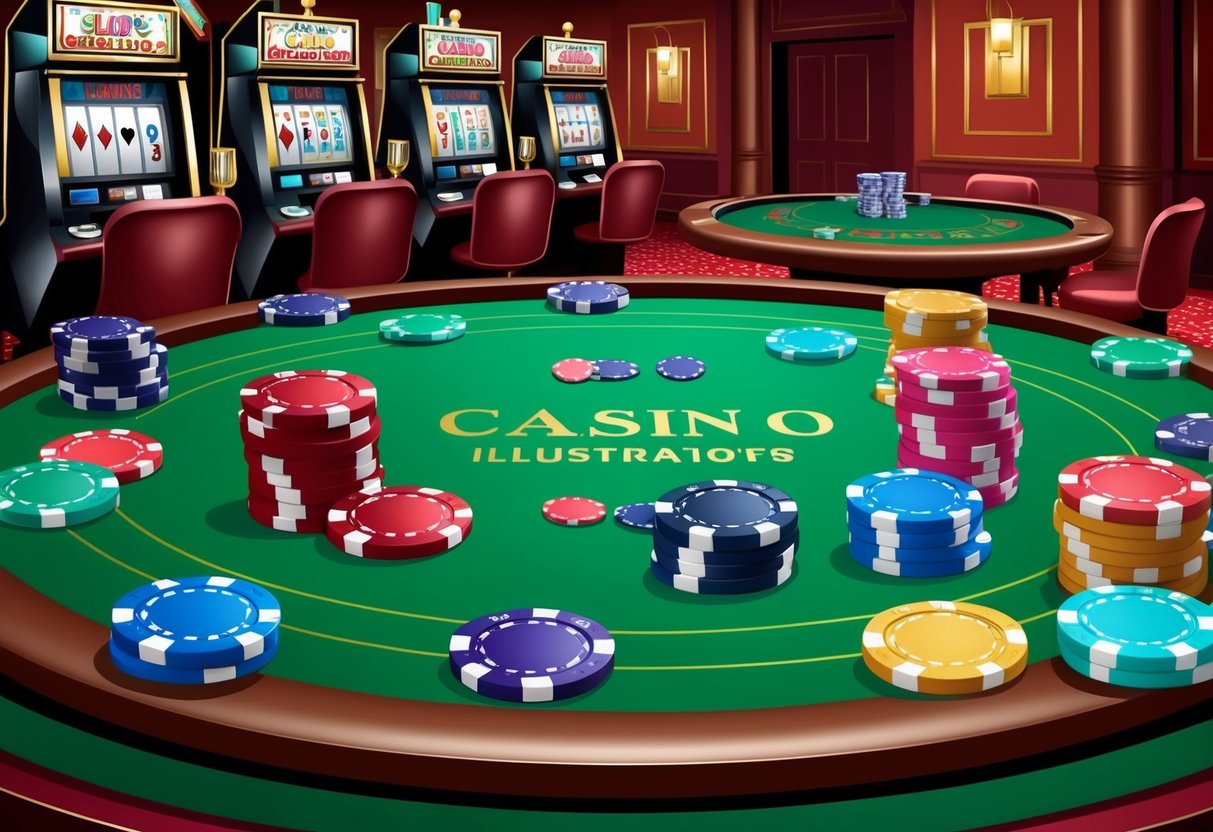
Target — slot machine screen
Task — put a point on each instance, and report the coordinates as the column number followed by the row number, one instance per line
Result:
column 461, row 123
column 115, row 129
column 311, row 125
column 579, row 120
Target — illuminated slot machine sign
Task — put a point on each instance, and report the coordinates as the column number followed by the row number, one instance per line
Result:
column 89, row 32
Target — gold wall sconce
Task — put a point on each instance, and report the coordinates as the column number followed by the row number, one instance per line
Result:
column 1006, row 54
column 669, row 69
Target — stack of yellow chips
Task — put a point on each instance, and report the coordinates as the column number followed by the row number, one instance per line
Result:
column 930, row 318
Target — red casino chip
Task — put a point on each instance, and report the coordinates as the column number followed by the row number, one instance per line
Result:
column 337, row 447
column 574, row 511
column 309, row 465
column 573, row 370
column 130, row 455
column 397, row 522
column 309, row 399
column 952, row 368
column 1140, row 490
column 253, row 425
column 325, row 495
column 287, row 518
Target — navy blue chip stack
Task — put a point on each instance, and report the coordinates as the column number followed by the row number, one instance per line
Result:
column 724, row 537
column 916, row 524
column 109, row 363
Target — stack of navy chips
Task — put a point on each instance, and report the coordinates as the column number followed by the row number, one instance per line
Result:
column 893, row 190
column 871, row 195
column 724, row 537
column 109, row 362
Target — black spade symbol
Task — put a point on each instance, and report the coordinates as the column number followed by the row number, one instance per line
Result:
column 128, row 135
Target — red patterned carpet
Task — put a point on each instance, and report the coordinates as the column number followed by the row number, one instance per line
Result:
column 666, row 253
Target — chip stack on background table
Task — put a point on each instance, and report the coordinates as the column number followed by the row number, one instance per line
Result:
column 956, row 413
column 893, row 193
column 1137, row 636
column 588, row 297
column 871, row 196
column 310, row 438
column 929, row 318
column 1132, row 520
column 305, row 309
column 1141, row 358
column 194, row 631
column 724, row 537
column 916, row 524
column 108, row 362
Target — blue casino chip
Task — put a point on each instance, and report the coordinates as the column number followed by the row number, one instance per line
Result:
column 105, row 356
column 306, row 309
column 195, row 622
column 680, row 368
column 148, row 672
column 532, row 655
column 862, row 532
column 811, row 344
column 1188, row 434
column 79, row 402
column 864, row 550
column 973, row 557
column 635, row 515
column 102, row 391
column 96, row 333
column 685, row 554
column 107, row 367
column 608, row 369
column 909, row 500
column 724, row 572
column 1146, row 629
column 726, row 516
column 711, row 586
column 112, row 379
column 588, row 297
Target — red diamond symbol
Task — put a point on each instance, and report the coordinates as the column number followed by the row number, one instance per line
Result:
column 105, row 136
column 79, row 136
column 286, row 137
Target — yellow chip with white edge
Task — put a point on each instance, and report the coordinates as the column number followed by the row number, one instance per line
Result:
column 917, row 306
column 945, row 647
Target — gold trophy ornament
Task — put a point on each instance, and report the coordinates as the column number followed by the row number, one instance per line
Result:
column 397, row 156
column 223, row 169
column 526, row 151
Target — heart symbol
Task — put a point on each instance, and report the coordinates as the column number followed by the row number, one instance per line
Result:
column 128, row 135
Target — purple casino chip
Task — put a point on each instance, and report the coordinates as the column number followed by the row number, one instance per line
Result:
column 636, row 515
column 613, row 370
column 1188, row 434
column 532, row 655
column 304, row 309
column 588, row 297
column 680, row 368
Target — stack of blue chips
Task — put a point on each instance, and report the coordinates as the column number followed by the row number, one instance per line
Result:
column 109, row 362
column 893, row 191
column 304, row 309
column 871, row 195
column 588, row 297
column 194, row 631
column 916, row 524
column 724, row 537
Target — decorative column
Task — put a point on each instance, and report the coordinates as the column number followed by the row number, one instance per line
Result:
column 1129, row 172
column 749, row 156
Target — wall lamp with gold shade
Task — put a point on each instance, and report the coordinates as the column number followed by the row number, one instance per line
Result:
column 669, row 64
column 1006, row 52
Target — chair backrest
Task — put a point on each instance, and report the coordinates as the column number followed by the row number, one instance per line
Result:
column 362, row 233
column 630, row 194
column 512, row 218
column 1166, row 256
column 1003, row 188
column 163, row 257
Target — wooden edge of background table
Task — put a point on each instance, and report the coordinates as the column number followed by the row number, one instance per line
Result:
column 546, row 753
column 1090, row 238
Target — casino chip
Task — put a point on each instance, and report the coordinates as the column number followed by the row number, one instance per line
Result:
column 668, row 550
column 309, row 399
column 941, row 647
column 710, row 586
column 680, row 368
column 891, row 562
column 399, row 521
column 614, row 370
column 106, row 362
column 903, row 541
column 1137, row 490
column 812, row 344
column 1188, row 434
column 197, row 622
column 724, row 571
column 532, row 655
column 573, row 370
column 306, row 309
column 91, row 403
column 98, row 333
column 574, row 511
column 978, row 543
column 726, row 515
column 132, row 666
column 588, row 297
column 917, row 307
column 423, row 328
column 955, row 369
column 1143, row 358
column 129, row 455
column 885, row 391
column 636, row 515
column 1155, row 538
column 1135, row 679
column 52, row 494
column 910, row 500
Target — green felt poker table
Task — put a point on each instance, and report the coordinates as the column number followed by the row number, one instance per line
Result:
column 952, row 243
column 759, row 702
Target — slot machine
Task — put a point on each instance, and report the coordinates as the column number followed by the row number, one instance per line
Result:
column 444, row 95
column 104, row 103
column 292, row 104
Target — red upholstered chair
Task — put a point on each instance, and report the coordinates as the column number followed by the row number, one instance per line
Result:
column 511, row 221
column 163, row 257
column 362, row 234
column 1003, row 188
column 1160, row 283
column 630, row 193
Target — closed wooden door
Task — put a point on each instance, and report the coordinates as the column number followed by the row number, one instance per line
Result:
column 840, row 113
